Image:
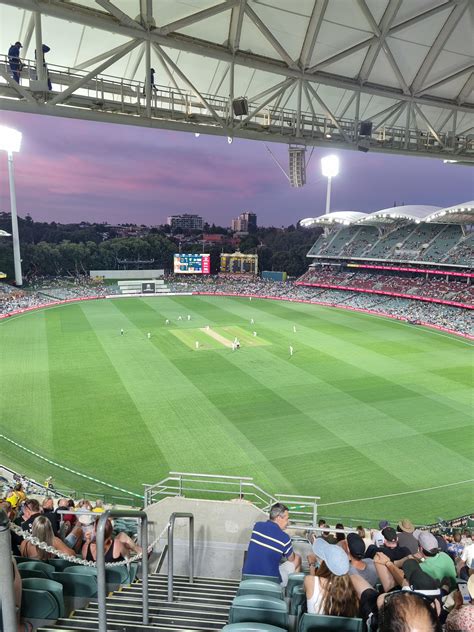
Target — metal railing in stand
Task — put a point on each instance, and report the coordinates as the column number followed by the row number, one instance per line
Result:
column 171, row 549
column 7, row 590
column 101, row 573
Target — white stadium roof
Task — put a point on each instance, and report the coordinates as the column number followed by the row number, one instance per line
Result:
column 311, row 70
column 457, row 214
column 344, row 218
column 410, row 213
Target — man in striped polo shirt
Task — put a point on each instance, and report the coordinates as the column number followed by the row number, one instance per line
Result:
column 270, row 550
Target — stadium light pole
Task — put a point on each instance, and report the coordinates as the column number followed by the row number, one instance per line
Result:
column 10, row 141
column 330, row 169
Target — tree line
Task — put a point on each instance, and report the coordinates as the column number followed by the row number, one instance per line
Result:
column 52, row 249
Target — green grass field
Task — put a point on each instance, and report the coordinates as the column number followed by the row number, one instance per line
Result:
column 366, row 406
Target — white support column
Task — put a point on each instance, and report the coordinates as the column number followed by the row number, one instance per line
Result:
column 328, row 196
column 148, row 85
column 298, row 108
column 40, row 67
column 15, row 233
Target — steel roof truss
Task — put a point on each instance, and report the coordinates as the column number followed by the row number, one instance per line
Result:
column 438, row 44
column 430, row 127
column 446, row 79
column 122, row 17
column 168, row 72
column 215, row 51
column 235, row 26
column 17, row 87
column 466, row 90
column 280, row 89
column 197, row 17
column 188, row 83
column 315, row 21
column 101, row 57
column 388, row 112
column 60, row 98
column 380, row 32
column 265, row 31
column 328, row 112
column 138, row 61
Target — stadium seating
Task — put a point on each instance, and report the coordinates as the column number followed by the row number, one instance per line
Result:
column 256, row 609
column 324, row 623
column 251, row 627
column 36, row 565
column 48, row 586
column 260, row 587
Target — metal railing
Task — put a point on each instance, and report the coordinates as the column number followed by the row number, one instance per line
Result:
column 194, row 485
column 172, row 521
column 101, row 573
column 126, row 96
column 7, row 590
column 303, row 509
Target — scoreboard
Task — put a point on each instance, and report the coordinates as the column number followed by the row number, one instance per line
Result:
column 238, row 263
column 192, row 264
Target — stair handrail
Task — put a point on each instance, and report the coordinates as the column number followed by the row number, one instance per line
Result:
column 7, row 592
column 101, row 574
column 173, row 517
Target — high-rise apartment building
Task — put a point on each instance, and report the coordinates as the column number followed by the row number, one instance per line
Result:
column 245, row 223
column 186, row 221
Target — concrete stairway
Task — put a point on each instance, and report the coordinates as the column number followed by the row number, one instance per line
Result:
column 203, row 605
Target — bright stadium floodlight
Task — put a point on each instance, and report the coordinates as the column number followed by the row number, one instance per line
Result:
column 330, row 169
column 10, row 141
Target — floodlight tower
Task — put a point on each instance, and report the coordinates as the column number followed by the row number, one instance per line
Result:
column 330, row 169
column 10, row 141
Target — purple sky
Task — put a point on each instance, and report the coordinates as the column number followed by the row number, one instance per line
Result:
column 71, row 170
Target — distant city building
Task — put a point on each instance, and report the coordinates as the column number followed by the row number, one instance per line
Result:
column 220, row 240
column 186, row 221
column 245, row 223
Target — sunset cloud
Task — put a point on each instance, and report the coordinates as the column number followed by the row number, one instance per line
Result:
column 72, row 170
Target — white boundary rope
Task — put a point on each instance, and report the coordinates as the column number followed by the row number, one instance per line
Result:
column 413, row 491
column 26, row 535
column 68, row 469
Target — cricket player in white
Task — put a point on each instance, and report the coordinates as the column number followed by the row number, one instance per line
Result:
column 291, row 351
column 197, row 344
column 121, row 332
column 148, row 335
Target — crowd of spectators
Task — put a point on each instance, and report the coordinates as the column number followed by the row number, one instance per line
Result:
column 450, row 317
column 66, row 525
column 42, row 291
column 423, row 242
column 436, row 288
column 394, row 577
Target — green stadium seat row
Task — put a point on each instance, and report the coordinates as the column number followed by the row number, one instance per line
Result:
column 260, row 606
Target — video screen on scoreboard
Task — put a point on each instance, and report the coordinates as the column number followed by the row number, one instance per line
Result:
column 238, row 263
column 192, row 264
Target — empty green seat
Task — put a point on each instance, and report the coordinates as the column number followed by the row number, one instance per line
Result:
column 251, row 627
column 259, row 609
column 276, row 580
column 76, row 584
column 47, row 585
column 27, row 574
column 325, row 623
column 37, row 565
column 260, row 587
column 297, row 600
column 38, row 604
column 294, row 580
column 59, row 564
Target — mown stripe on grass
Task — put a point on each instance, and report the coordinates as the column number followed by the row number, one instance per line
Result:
column 24, row 380
column 95, row 422
column 193, row 433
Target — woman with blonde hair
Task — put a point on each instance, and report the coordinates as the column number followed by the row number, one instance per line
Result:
column 328, row 588
column 43, row 530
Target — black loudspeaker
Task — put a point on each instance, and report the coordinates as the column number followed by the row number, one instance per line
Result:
column 363, row 145
column 240, row 106
column 365, row 128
